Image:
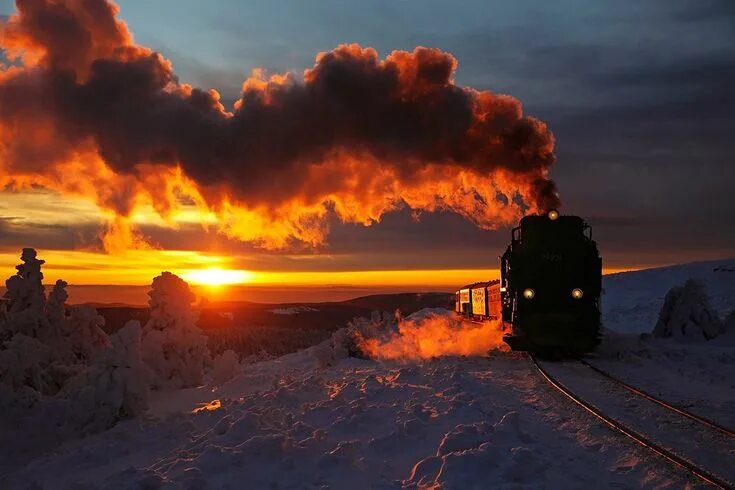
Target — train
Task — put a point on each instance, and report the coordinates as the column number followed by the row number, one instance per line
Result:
column 547, row 299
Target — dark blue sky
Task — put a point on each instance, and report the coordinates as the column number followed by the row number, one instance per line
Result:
column 639, row 95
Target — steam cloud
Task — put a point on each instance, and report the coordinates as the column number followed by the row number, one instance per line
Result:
column 430, row 335
column 86, row 111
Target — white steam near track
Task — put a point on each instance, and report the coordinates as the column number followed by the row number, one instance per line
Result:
column 321, row 419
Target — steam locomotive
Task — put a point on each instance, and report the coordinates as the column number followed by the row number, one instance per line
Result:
column 548, row 295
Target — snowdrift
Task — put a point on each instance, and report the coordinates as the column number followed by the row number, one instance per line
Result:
column 632, row 300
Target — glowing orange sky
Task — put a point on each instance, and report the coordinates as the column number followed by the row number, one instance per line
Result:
column 39, row 209
column 138, row 267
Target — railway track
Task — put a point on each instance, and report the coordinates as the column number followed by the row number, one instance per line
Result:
column 700, row 446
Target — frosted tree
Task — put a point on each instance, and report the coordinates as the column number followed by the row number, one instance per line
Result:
column 55, row 305
column 41, row 346
column 113, row 388
column 81, row 330
column 84, row 332
column 25, row 361
column 33, row 353
column 25, row 298
column 173, row 347
column 25, row 289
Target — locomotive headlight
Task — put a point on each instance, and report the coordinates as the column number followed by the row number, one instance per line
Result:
column 577, row 293
column 553, row 214
column 529, row 293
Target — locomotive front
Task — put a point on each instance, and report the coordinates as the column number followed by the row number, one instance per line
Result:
column 551, row 278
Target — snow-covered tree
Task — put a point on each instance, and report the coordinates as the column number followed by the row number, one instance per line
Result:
column 173, row 347
column 81, row 329
column 55, row 305
column 25, row 299
column 113, row 388
column 25, row 289
column 84, row 332
column 687, row 313
column 42, row 347
column 33, row 352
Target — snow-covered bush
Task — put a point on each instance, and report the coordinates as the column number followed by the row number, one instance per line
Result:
column 686, row 313
column 113, row 388
column 173, row 347
column 225, row 366
column 24, row 361
column 379, row 328
column 332, row 350
column 346, row 342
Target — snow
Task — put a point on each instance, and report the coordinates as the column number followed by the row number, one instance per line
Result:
column 62, row 377
column 113, row 388
column 632, row 300
column 459, row 422
column 694, row 375
column 226, row 366
column 437, row 404
column 292, row 310
column 704, row 448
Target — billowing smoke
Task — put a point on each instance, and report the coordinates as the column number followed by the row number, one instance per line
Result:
column 427, row 334
column 86, row 111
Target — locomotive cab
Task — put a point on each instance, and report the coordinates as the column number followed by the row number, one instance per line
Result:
column 551, row 277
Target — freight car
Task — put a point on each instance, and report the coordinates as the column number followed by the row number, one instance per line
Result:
column 548, row 295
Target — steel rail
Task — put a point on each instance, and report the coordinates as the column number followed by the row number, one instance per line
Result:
column 702, row 420
column 640, row 439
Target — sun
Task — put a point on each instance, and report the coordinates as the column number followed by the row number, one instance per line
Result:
column 218, row 277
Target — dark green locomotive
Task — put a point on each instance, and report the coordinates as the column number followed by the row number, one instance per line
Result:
column 550, row 286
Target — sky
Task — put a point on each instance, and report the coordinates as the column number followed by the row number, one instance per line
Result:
column 638, row 96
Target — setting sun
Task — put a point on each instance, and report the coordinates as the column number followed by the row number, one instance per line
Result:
column 218, row 277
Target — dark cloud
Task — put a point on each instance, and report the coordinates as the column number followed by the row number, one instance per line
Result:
column 703, row 11
column 16, row 233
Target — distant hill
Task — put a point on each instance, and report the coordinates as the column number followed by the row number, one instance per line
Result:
column 406, row 302
column 632, row 300
column 304, row 316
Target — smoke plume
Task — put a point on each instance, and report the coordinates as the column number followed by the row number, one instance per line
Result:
column 427, row 335
column 86, row 111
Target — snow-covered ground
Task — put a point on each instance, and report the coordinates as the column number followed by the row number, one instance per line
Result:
column 459, row 422
column 415, row 418
column 697, row 376
column 632, row 300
